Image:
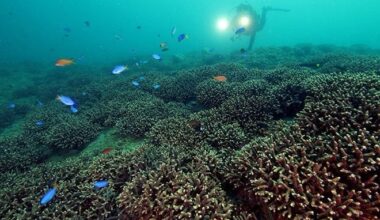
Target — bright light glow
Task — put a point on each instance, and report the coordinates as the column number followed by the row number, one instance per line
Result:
column 244, row 21
column 222, row 24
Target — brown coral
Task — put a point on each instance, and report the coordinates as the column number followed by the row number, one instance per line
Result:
column 172, row 192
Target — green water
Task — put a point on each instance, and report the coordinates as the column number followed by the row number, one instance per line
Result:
column 197, row 125
column 34, row 30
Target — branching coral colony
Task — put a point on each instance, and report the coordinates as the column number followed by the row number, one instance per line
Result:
column 297, row 138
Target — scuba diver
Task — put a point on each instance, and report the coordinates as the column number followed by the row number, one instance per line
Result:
column 247, row 22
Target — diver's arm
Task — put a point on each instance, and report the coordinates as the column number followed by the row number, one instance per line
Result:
column 251, row 41
column 264, row 12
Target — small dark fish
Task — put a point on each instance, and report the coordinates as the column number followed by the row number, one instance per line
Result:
column 195, row 124
column 138, row 27
column 242, row 50
column 87, row 23
column 67, row 29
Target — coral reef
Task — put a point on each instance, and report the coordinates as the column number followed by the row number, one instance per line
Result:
column 292, row 133
column 175, row 131
column 324, row 167
column 211, row 93
column 70, row 132
column 139, row 116
column 225, row 136
column 177, row 189
column 343, row 62
column 289, row 89
column 16, row 153
column 251, row 113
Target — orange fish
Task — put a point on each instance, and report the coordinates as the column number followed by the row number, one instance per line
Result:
column 220, row 78
column 107, row 150
column 64, row 62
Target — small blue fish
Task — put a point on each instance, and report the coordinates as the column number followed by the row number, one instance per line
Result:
column 182, row 37
column 67, row 29
column 73, row 109
column 156, row 86
column 135, row 83
column 49, row 195
column 100, row 184
column 141, row 78
column 39, row 103
column 65, row 100
column 156, row 57
column 174, row 30
column 119, row 69
column 40, row 123
column 11, row 105
column 240, row 30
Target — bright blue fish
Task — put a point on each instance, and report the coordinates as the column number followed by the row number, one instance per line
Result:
column 73, row 109
column 100, row 184
column 65, row 100
column 40, row 123
column 135, row 83
column 156, row 86
column 182, row 37
column 156, row 57
column 240, row 30
column 119, row 69
column 49, row 195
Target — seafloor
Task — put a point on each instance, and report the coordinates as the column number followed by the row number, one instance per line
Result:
column 292, row 133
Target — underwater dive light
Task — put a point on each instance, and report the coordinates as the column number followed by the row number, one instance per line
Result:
column 244, row 21
column 222, row 24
